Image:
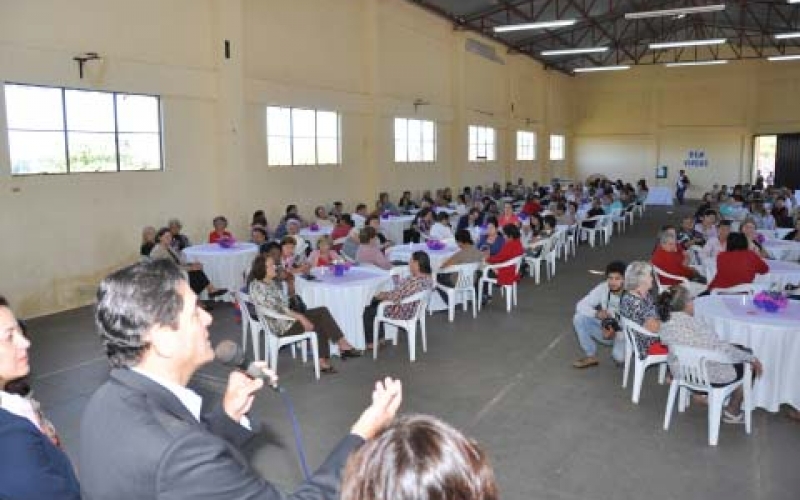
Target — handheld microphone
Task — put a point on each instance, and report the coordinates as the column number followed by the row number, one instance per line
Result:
column 230, row 354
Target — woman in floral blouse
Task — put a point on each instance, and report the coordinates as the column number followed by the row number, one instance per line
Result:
column 267, row 293
column 637, row 305
column 420, row 279
column 680, row 327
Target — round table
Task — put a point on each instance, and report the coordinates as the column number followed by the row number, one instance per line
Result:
column 403, row 253
column 783, row 250
column 659, row 195
column 773, row 337
column 225, row 267
column 312, row 236
column 394, row 226
column 344, row 296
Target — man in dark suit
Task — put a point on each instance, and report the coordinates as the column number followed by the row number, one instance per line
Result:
column 142, row 435
column 472, row 218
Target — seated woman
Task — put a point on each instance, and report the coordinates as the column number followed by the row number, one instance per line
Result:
column 549, row 229
column 508, row 216
column 180, row 242
column 461, row 205
column 491, row 241
column 406, row 203
column 794, row 235
column 198, row 281
column 737, row 265
column 386, row 206
column 32, row 464
column 293, row 231
column 512, row 247
column 260, row 220
column 266, row 292
column 749, row 230
column 466, row 254
column 290, row 260
column 148, row 241
column 419, row 457
column 321, row 218
column 324, row 255
column 220, row 230
column 258, row 236
column 681, row 327
column 421, row 225
column 420, row 280
column 762, row 218
column 291, row 213
column 441, row 229
column 637, row 305
column 374, row 222
column 369, row 251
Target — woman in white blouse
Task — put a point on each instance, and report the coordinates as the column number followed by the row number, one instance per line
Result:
column 441, row 229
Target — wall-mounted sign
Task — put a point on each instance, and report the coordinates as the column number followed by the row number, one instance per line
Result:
column 661, row 172
column 696, row 159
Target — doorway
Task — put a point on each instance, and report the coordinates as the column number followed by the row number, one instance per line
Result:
column 764, row 152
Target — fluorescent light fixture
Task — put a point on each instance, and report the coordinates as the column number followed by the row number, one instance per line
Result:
column 784, row 36
column 687, row 43
column 600, row 68
column 696, row 63
column 794, row 57
column 535, row 26
column 794, row 1
column 565, row 52
column 677, row 12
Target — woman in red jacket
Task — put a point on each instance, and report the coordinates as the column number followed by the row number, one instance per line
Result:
column 511, row 248
column 737, row 265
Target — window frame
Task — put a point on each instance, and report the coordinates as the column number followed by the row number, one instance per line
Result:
column 562, row 149
column 291, row 137
column 422, row 141
column 484, row 129
column 66, row 130
column 531, row 146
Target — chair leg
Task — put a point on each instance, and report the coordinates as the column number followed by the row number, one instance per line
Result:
column 376, row 337
column 451, row 305
column 474, row 304
column 714, row 417
column 673, row 393
column 315, row 353
column 662, row 373
column 412, row 342
column 273, row 354
column 424, row 336
column 480, row 294
column 638, row 378
column 509, row 297
column 256, row 344
column 304, row 352
column 627, row 369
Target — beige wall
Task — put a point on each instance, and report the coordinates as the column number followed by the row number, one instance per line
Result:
column 368, row 59
column 629, row 122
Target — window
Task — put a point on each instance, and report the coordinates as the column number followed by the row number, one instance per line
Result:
column 526, row 145
column 298, row 136
column 557, row 147
column 481, row 143
column 414, row 140
column 54, row 130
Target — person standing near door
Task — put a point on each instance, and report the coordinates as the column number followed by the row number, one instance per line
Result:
column 681, row 186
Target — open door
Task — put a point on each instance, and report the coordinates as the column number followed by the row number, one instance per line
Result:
column 787, row 161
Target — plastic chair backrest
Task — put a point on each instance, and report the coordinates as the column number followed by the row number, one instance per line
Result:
column 466, row 274
column 401, row 272
column 663, row 274
column 631, row 330
column 693, row 367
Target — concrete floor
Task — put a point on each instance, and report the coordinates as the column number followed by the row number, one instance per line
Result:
column 552, row 432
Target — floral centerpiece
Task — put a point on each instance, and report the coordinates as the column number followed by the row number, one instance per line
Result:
column 386, row 214
column 314, row 226
column 771, row 301
column 339, row 267
column 227, row 242
column 435, row 245
column 760, row 239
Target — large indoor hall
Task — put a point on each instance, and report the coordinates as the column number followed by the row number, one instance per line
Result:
column 399, row 249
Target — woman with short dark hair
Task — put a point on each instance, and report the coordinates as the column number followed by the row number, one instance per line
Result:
column 737, row 265
column 220, row 230
column 422, row 458
column 198, row 281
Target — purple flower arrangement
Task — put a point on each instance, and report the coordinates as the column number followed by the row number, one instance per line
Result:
column 760, row 238
column 435, row 245
column 386, row 214
column 314, row 227
column 771, row 301
column 227, row 242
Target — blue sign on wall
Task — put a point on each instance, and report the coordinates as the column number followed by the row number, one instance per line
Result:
column 696, row 159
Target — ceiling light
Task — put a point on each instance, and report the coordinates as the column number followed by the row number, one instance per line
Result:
column 696, row 63
column 794, row 1
column 687, row 43
column 677, row 12
column 564, row 52
column 534, row 26
column 784, row 36
column 600, row 68
column 785, row 58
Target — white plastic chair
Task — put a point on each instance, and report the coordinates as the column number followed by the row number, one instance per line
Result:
column 693, row 376
column 592, row 232
column 607, row 226
column 663, row 274
column 618, row 219
column 510, row 291
column 571, row 240
column 249, row 324
column 534, row 263
column 402, row 272
column 409, row 325
column 629, row 213
column 744, row 289
column 464, row 288
column 275, row 342
column 639, row 208
column 639, row 365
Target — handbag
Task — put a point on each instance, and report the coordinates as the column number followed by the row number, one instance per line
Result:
column 297, row 305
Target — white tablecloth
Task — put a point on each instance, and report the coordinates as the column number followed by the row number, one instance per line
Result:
column 438, row 257
column 780, row 273
column 312, row 236
column 776, row 234
column 225, row 267
column 393, row 227
column 659, row 196
column 773, row 337
column 345, row 297
column 783, row 250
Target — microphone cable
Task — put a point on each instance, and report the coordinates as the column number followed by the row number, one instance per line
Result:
column 298, row 435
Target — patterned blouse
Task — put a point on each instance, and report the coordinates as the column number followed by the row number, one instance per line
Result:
column 639, row 310
column 406, row 288
column 685, row 330
column 270, row 296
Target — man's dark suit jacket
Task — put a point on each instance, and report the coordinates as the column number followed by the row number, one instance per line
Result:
column 31, row 467
column 139, row 442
